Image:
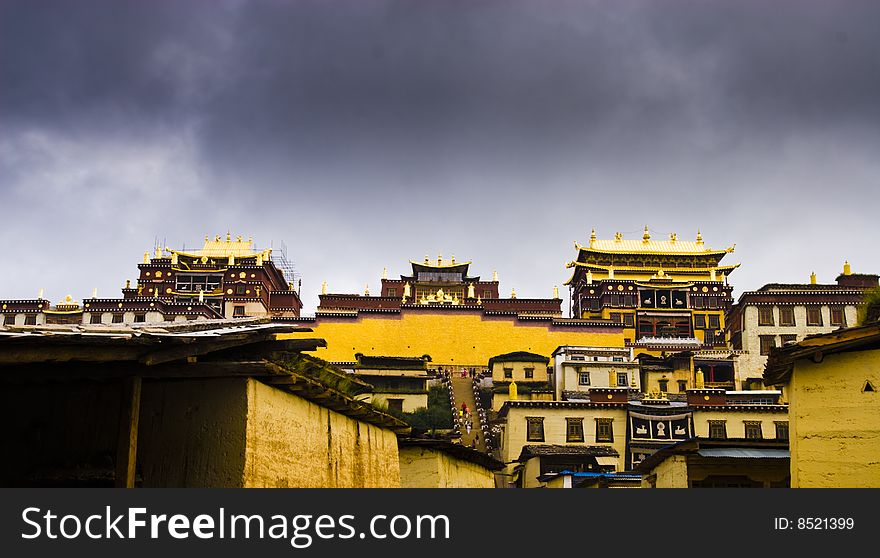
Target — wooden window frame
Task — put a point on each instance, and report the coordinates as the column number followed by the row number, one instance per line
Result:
column 717, row 424
column 784, row 313
column 842, row 321
column 534, row 437
column 576, row 434
column 603, row 435
column 781, row 426
column 761, row 339
column 818, row 310
column 749, row 427
column 763, row 313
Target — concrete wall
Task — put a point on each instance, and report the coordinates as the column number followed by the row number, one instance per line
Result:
column 834, row 426
column 514, row 435
column 411, row 401
column 430, row 468
column 735, row 421
column 296, row 443
column 672, row 472
column 518, row 369
column 466, row 339
column 751, row 365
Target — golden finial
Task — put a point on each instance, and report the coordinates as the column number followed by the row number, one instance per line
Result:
column 847, row 270
column 673, row 237
column 40, row 294
column 439, row 259
column 324, row 288
column 647, row 236
column 699, row 237
column 128, row 283
column 427, row 259
column 618, row 237
column 173, row 258
column 238, row 238
column 217, row 238
column 513, row 293
column 207, row 238
column 479, row 300
column 555, row 292
column 260, row 259
column 95, row 292
column 813, row 278
column 592, row 235
column 158, row 251
column 146, row 257
column 367, row 290
column 495, row 276
column 384, row 273
column 228, row 236
column 453, row 259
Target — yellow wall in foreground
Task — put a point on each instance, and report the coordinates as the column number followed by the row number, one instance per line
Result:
column 430, row 468
column 672, row 472
column 293, row 442
column 834, row 427
column 466, row 339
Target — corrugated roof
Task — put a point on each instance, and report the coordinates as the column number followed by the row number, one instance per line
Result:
column 745, row 453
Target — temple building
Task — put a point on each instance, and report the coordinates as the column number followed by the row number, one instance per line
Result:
column 668, row 294
column 225, row 279
column 778, row 314
column 440, row 309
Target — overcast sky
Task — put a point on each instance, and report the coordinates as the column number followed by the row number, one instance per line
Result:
column 366, row 133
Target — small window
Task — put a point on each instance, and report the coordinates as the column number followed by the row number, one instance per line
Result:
column 697, row 302
column 118, row 318
column 753, row 429
column 718, row 429
column 584, row 378
column 786, row 316
column 530, row 373
column 140, row 318
column 604, row 430
column 95, row 319
column 700, row 321
column 782, row 430
column 708, row 337
column 487, row 294
column 239, row 289
column 664, row 385
column 765, row 316
column 574, row 430
column 622, row 379
column 767, row 343
column 395, row 405
column 713, row 303
column 9, row 319
column 785, row 339
column 616, row 317
column 392, row 291
column 535, row 429
column 837, row 317
column 714, row 321
column 30, row 319
column 238, row 311
column 629, row 320
column 682, row 386
column 814, row 316
column 508, row 373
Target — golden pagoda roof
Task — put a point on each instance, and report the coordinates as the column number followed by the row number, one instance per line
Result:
column 439, row 263
column 649, row 246
column 218, row 248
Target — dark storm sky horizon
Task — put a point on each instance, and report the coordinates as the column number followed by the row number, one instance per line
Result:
column 365, row 134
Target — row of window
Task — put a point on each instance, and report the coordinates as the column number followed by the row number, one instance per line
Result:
column 508, row 373
column 718, row 429
column 787, row 319
column 622, row 379
column 769, row 341
column 574, row 429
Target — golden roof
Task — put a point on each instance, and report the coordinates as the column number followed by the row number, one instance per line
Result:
column 648, row 246
column 218, row 248
column 439, row 263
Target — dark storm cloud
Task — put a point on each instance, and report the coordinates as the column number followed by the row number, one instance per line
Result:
column 382, row 129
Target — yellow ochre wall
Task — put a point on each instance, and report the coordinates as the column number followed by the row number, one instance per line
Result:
column 735, row 420
column 467, row 339
column 834, row 428
column 293, row 442
column 672, row 472
column 430, row 468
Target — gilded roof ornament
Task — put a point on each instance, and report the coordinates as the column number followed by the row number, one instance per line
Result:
column 384, row 273
column 324, row 288
column 673, row 237
column 592, row 236
column 495, row 276
column 513, row 293
column 555, row 291
column 367, row 290
column 847, row 270
column 618, row 237
column 699, row 237
column 647, row 236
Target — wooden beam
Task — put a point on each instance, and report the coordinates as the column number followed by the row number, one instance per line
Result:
column 126, row 446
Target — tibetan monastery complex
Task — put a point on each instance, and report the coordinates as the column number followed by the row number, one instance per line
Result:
column 652, row 376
